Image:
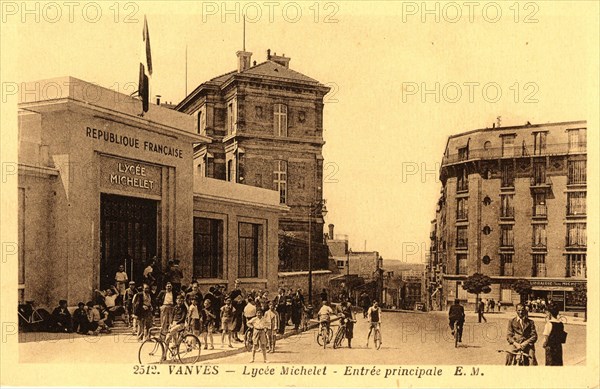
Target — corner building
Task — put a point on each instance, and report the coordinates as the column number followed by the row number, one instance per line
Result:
column 101, row 186
column 266, row 125
column 512, row 206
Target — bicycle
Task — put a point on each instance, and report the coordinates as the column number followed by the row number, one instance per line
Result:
column 307, row 314
column 154, row 349
column 377, row 336
column 325, row 334
column 248, row 338
column 516, row 358
column 341, row 332
column 30, row 318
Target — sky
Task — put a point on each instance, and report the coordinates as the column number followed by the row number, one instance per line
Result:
column 404, row 76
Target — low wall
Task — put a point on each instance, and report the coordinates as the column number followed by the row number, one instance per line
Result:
column 296, row 280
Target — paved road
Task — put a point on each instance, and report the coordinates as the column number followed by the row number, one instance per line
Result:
column 413, row 339
column 408, row 339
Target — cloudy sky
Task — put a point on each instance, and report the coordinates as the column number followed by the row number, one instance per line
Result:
column 403, row 79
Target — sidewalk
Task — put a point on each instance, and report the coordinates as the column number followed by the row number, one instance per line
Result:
column 537, row 316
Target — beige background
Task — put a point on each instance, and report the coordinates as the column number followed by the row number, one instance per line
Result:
column 366, row 56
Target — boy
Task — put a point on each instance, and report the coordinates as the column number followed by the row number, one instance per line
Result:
column 259, row 339
column 273, row 318
column 208, row 324
column 374, row 317
column 179, row 319
column 227, row 312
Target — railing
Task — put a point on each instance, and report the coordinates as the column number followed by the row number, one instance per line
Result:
column 508, row 212
column 539, row 270
column 462, row 215
column 516, row 151
column 540, row 210
column 540, row 180
column 462, row 243
column 507, row 269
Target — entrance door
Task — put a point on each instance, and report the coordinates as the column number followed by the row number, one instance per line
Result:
column 127, row 236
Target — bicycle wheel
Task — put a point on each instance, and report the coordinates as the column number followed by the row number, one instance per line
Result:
column 151, row 351
column 320, row 339
column 248, row 340
column 339, row 337
column 455, row 335
column 324, row 337
column 378, row 339
column 188, row 349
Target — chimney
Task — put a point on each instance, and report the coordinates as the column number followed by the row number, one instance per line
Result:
column 268, row 54
column 331, row 231
column 243, row 60
column 280, row 59
column 157, row 99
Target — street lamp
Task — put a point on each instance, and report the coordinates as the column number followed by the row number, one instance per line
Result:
column 317, row 208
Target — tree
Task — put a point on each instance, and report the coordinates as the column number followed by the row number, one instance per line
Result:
column 476, row 284
column 579, row 295
column 523, row 288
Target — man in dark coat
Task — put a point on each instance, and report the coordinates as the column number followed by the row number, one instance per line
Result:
column 61, row 317
column 521, row 334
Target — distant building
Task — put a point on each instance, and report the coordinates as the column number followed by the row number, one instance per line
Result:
column 512, row 206
column 412, row 288
column 265, row 121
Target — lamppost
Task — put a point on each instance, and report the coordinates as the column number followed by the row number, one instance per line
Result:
column 316, row 208
column 348, row 261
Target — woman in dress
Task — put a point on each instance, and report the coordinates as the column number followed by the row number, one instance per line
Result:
column 554, row 337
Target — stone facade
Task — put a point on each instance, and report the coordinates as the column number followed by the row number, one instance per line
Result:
column 266, row 126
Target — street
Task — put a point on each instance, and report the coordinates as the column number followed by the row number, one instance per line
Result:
column 418, row 339
column 408, row 339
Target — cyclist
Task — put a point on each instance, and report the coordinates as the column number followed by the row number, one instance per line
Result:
column 178, row 324
column 324, row 315
column 456, row 314
column 374, row 317
column 348, row 318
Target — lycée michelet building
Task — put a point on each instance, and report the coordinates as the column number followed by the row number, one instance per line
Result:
column 101, row 186
column 512, row 206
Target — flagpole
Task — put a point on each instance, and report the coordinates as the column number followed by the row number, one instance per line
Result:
column 186, row 71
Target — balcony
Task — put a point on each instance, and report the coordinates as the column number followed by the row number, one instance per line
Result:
column 539, row 270
column 462, row 215
column 540, row 211
column 462, row 243
column 462, row 186
column 540, row 245
column 540, row 182
column 506, row 152
column 507, row 269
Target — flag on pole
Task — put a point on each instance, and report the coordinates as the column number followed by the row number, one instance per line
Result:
column 145, row 68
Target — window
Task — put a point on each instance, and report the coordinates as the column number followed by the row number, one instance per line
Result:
column 506, row 236
column 577, row 172
column 507, row 209
column 280, row 180
column 539, row 236
column 461, row 264
column 461, row 237
column 508, row 176
column 539, row 143
column 463, row 153
column 209, row 166
column 462, row 181
column 208, row 248
column 540, row 209
column 508, row 146
column 280, row 120
column 462, row 209
column 231, row 117
column 230, row 171
column 249, row 249
column 200, row 122
column 539, row 173
column 539, row 265
column 576, row 235
column 577, row 140
column 506, row 265
column 576, row 203
column 576, row 265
